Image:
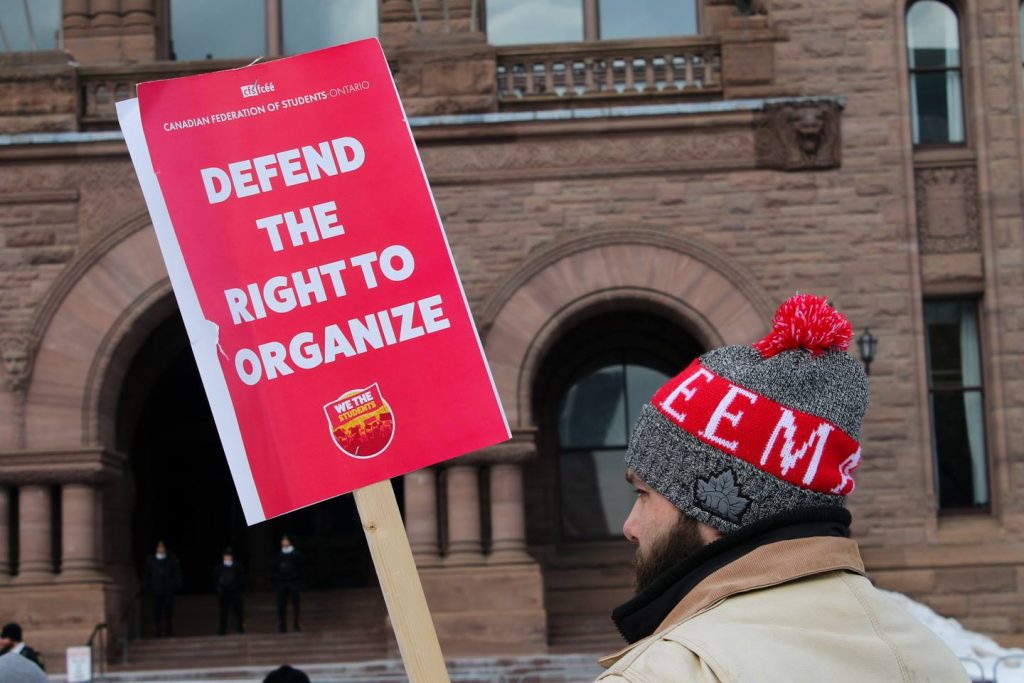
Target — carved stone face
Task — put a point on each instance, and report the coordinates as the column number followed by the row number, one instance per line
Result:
column 15, row 358
column 809, row 125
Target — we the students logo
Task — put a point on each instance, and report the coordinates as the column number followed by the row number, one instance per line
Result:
column 361, row 422
column 257, row 88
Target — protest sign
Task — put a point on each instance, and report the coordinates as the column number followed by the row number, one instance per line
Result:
column 317, row 287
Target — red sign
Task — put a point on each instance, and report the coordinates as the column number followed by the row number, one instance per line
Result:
column 313, row 274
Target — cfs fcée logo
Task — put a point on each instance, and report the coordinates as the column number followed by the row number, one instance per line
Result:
column 361, row 422
column 256, row 88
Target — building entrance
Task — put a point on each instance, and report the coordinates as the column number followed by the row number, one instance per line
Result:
column 183, row 492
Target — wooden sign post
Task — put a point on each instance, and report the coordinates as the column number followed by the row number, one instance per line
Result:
column 400, row 582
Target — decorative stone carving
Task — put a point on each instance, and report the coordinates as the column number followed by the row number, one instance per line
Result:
column 16, row 351
column 798, row 136
column 947, row 209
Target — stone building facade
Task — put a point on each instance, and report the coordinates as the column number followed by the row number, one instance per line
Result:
column 645, row 197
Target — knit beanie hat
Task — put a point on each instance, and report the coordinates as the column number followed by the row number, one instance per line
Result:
column 747, row 432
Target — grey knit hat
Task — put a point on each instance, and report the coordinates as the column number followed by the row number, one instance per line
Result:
column 746, row 432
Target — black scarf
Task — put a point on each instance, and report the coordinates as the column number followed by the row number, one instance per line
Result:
column 641, row 615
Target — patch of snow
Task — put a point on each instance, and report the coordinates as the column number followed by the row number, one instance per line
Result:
column 983, row 658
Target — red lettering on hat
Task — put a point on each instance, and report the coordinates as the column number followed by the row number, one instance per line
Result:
column 794, row 446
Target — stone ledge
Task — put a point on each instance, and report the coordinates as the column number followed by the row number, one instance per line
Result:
column 60, row 466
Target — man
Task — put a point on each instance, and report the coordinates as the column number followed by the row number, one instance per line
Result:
column 16, row 669
column 286, row 674
column 286, row 577
column 229, row 580
column 10, row 641
column 745, row 568
column 161, row 580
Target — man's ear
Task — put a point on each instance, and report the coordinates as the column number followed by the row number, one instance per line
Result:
column 708, row 534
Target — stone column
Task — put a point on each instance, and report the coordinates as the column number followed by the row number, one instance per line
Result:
column 35, row 564
column 137, row 12
column 508, row 512
column 76, row 14
column 421, row 516
column 106, row 13
column 5, row 535
column 78, row 532
column 464, row 539
column 508, row 517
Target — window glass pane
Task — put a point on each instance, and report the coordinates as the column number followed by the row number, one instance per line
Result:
column 595, row 496
column 933, row 35
column 534, row 21
column 313, row 24
column 935, row 100
column 647, row 18
column 959, row 441
column 641, row 383
column 952, row 335
column 215, row 30
column 958, row 418
column 43, row 16
column 593, row 412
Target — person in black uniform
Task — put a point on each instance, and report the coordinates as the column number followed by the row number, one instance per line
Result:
column 229, row 579
column 161, row 580
column 10, row 641
column 286, row 576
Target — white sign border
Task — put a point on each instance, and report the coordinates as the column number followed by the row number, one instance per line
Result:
column 203, row 334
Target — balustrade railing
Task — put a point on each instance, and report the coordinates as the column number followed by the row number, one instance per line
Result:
column 102, row 87
column 609, row 70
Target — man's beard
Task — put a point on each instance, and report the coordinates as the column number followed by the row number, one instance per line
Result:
column 4, row 649
column 680, row 542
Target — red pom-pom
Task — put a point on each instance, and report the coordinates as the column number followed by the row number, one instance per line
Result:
column 806, row 322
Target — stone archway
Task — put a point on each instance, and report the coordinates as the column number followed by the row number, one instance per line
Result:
column 123, row 290
column 702, row 290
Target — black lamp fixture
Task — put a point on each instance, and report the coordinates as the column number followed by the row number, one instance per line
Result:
column 867, row 344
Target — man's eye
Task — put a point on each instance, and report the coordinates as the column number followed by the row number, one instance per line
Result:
column 639, row 492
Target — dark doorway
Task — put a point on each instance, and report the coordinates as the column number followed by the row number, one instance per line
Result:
column 183, row 489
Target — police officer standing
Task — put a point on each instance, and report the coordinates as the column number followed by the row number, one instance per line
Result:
column 229, row 580
column 286, row 577
column 162, row 579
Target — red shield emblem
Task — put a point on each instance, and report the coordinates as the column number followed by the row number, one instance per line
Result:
column 361, row 422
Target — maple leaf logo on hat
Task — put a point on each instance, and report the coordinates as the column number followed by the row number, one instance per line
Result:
column 720, row 496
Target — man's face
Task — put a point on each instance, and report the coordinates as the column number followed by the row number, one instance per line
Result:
column 5, row 645
column 161, row 549
column 663, row 534
column 285, row 543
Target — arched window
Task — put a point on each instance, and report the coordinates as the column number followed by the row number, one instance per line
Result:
column 936, row 99
column 595, row 382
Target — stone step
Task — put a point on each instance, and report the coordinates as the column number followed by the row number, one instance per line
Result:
column 550, row 668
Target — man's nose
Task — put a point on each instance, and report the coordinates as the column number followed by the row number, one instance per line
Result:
column 629, row 527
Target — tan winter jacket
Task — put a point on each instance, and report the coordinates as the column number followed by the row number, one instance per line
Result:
column 797, row 611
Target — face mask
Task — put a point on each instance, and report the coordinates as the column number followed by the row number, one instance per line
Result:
column 287, row 550
column 161, row 556
column 229, row 563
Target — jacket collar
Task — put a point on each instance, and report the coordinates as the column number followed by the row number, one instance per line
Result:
column 768, row 559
